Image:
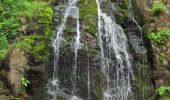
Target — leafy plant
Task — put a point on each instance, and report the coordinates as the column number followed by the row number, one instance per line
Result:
column 163, row 91
column 157, row 9
column 161, row 57
column 25, row 82
column 9, row 27
column 10, row 13
column 160, row 36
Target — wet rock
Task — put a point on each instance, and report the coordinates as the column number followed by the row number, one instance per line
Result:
column 17, row 67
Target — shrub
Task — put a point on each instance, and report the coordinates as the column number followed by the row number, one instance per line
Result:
column 10, row 13
column 158, row 8
column 25, row 82
column 163, row 90
column 160, row 36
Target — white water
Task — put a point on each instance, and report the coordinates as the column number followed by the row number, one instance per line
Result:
column 131, row 15
column 88, row 74
column 113, row 41
column 54, row 85
column 77, row 46
column 139, row 48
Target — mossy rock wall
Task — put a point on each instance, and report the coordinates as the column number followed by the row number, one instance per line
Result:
column 34, row 39
column 89, row 54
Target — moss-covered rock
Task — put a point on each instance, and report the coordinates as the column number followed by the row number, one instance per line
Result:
column 137, row 13
column 121, row 14
column 34, row 39
column 88, row 15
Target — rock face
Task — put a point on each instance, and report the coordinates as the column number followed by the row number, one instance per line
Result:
column 150, row 72
column 161, row 64
column 29, row 52
column 159, row 53
column 17, row 67
column 89, row 54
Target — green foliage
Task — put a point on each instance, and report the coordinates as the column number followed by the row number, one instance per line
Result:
column 121, row 14
column 160, row 36
column 10, row 13
column 152, row 19
column 161, row 57
column 45, row 13
column 88, row 14
column 3, row 46
column 43, row 17
column 144, row 29
column 17, row 8
column 164, row 92
column 9, row 28
column 35, row 45
column 92, row 52
column 158, row 8
column 25, row 82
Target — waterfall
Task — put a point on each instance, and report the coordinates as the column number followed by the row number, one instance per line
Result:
column 54, row 85
column 131, row 16
column 77, row 45
column 88, row 74
column 138, row 45
column 115, row 63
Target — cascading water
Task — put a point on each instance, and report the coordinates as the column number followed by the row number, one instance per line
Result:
column 77, row 45
column 54, row 85
column 115, row 63
column 138, row 44
column 131, row 16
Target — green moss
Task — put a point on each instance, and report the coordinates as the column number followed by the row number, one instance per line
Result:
column 37, row 12
column 69, row 25
column 68, row 37
column 124, row 4
column 92, row 52
column 144, row 29
column 43, row 18
column 121, row 15
column 162, row 57
column 88, row 15
column 99, row 88
column 34, row 45
column 158, row 8
column 137, row 13
column 3, row 46
column 44, row 14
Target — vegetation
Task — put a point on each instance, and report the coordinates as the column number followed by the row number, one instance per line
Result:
column 158, row 8
column 25, row 82
column 161, row 57
column 164, row 92
column 11, row 12
column 160, row 36
column 34, row 45
column 88, row 15
column 3, row 45
column 36, row 16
